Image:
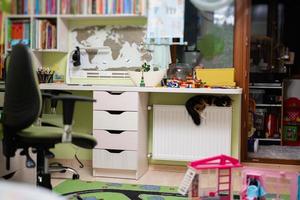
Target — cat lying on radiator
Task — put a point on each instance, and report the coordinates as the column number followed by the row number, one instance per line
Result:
column 196, row 104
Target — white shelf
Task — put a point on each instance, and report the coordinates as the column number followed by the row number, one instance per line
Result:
column 62, row 86
column 269, row 139
column 264, row 87
column 19, row 16
column 268, row 105
column 95, row 16
column 49, row 50
column 44, row 16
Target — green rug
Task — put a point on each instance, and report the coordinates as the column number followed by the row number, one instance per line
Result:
column 94, row 190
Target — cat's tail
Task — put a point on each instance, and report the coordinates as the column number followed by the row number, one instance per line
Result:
column 193, row 113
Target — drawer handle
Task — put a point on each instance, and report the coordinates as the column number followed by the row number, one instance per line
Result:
column 114, row 131
column 114, row 150
column 114, row 93
column 114, row 112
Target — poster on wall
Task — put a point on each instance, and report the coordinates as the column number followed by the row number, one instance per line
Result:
column 165, row 19
column 107, row 51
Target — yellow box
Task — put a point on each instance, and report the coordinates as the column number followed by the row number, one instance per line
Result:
column 216, row 77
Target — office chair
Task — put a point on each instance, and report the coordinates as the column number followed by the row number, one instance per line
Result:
column 22, row 106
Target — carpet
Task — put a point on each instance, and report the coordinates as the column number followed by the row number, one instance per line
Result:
column 95, row 190
column 277, row 152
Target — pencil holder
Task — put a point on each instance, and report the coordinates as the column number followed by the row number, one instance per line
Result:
column 45, row 76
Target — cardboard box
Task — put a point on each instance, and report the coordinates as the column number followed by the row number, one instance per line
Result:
column 216, row 77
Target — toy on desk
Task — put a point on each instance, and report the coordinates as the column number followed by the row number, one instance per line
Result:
column 189, row 82
column 256, row 180
column 145, row 68
column 222, row 165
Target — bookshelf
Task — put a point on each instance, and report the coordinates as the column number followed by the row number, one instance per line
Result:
column 34, row 17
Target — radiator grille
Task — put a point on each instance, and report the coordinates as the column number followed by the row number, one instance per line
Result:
column 176, row 137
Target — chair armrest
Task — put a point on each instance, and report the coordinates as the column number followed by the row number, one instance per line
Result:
column 50, row 93
column 68, row 110
column 46, row 95
column 56, row 93
column 69, row 104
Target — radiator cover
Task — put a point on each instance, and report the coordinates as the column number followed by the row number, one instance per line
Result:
column 177, row 138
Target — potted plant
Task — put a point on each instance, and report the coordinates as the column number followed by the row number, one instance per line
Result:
column 146, row 76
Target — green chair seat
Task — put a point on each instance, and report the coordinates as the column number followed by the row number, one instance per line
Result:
column 45, row 135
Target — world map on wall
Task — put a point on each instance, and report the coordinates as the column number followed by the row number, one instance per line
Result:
column 115, row 48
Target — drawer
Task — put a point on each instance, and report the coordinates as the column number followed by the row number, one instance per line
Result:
column 114, row 159
column 115, row 121
column 126, row 140
column 127, row 101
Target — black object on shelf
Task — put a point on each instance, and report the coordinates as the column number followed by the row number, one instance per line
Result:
column 267, row 77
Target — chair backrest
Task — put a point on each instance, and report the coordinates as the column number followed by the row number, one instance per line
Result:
column 22, row 100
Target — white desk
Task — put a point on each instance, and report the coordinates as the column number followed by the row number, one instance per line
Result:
column 132, row 162
column 59, row 86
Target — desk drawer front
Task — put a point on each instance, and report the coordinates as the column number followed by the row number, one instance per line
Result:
column 120, row 121
column 114, row 160
column 127, row 101
column 126, row 140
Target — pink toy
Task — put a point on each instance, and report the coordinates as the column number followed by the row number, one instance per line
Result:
column 254, row 181
column 265, row 175
column 223, row 164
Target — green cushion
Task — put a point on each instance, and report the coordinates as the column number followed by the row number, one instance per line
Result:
column 36, row 135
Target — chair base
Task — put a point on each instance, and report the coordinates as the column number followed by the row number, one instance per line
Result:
column 59, row 168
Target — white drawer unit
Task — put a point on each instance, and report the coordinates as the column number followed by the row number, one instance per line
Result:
column 120, row 127
column 126, row 101
column 108, row 120
column 115, row 159
column 115, row 139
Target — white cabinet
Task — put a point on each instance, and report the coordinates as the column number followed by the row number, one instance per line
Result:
column 120, row 127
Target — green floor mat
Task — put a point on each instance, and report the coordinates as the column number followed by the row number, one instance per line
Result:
column 95, row 190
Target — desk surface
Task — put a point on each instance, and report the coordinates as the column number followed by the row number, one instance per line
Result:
column 62, row 86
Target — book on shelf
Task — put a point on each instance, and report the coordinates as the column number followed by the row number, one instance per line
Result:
column 103, row 7
column 18, row 32
column 46, row 34
column 20, row 7
column 44, row 7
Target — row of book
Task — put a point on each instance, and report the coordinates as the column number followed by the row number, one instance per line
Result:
column 20, row 7
column 103, row 7
column 19, row 32
column 46, row 34
column 45, row 7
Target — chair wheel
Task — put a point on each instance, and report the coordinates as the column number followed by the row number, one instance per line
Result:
column 75, row 176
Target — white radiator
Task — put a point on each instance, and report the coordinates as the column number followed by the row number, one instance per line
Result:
column 176, row 137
